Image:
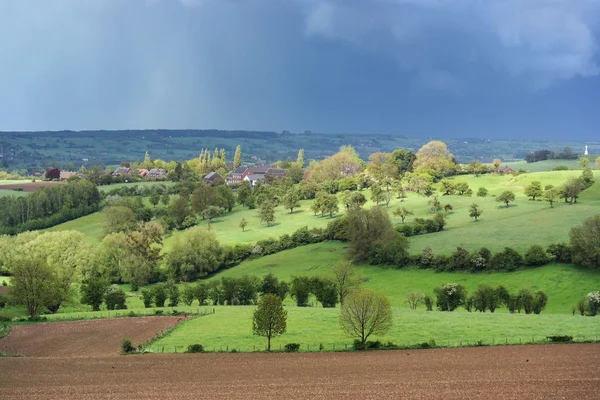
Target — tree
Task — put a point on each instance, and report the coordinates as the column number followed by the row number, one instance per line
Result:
column 92, row 292
column 377, row 194
column 506, row 197
column 482, row 192
column 366, row 313
column 154, row 199
column 402, row 213
column 434, row 156
column 539, row 302
column 325, row 290
column 526, row 300
column 474, row 211
column 346, row 279
column 403, row 159
column 119, row 219
column 536, row 256
column 329, row 204
column 550, row 195
column 31, row 282
column 115, row 297
column 354, row 199
column 271, row 285
column 497, row 163
column 414, row 299
column 300, row 158
column 462, row 188
column 447, row 188
column 381, row 166
column 165, row 199
column 587, row 178
column 585, row 242
column 243, row 224
column 533, row 190
column 52, row 174
column 365, row 227
column 244, row 192
column 584, row 162
column 195, row 256
column 291, row 200
column 212, row 212
column 571, row 189
column 237, row 157
column 267, row 212
column 178, row 211
column 269, row 319
column 300, row 290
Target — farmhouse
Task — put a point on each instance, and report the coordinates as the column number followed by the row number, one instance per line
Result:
column 506, row 170
column 212, row 178
column 122, row 171
column 238, row 175
column 261, row 169
column 253, row 178
column 142, row 172
column 156, row 173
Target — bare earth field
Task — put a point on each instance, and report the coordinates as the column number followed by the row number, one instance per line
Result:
column 93, row 338
column 29, row 187
column 511, row 372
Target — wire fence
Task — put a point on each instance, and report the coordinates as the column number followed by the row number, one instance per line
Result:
column 329, row 347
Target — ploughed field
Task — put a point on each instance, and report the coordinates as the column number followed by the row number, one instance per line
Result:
column 510, row 372
column 91, row 338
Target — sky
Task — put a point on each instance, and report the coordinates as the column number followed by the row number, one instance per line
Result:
column 418, row 68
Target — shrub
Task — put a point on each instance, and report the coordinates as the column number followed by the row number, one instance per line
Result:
column 195, row 348
column 160, row 294
column 526, row 300
column 482, row 192
column 158, row 312
column 292, row 347
column 536, row 256
column 428, row 303
column 115, row 298
column 560, row 339
column 427, row 345
column 560, row 168
column 539, row 302
column 6, row 316
column 507, row 260
column 450, row 296
column 127, row 346
column 593, row 303
column 561, row 252
column 2, row 301
column 147, row 298
column 173, row 294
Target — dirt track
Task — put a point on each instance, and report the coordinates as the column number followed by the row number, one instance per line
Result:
column 29, row 187
column 515, row 372
column 101, row 337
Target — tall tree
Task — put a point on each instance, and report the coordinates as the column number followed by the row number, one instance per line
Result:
column 434, row 156
column 291, row 200
column 300, row 159
column 269, row 319
column 267, row 212
column 366, row 227
column 402, row 213
column 237, row 157
column 31, row 282
column 475, row 211
column 585, row 241
column 366, row 313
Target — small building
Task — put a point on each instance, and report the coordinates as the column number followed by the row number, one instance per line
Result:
column 65, row 175
column 156, row 173
column 253, row 178
column 278, row 173
column 506, row 170
column 306, row 175
column 142, row 172
column 122, row 171
column 238, row 175
column 212, row 178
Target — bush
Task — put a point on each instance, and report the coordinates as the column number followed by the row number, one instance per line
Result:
column 160, row 294
column 6, row 316
column 195, row 348
column 482, row 192
column 561, row 252
column 127, row 346
column 147, row 298
column 560, row 168
column 428, row 303
column 593, row 303
column 292, row 347
column 450, row 296
column 539, row 302
column 560, row 338
column 115, row 298
column 536, row 256
column 427, row 345
column 159, row 312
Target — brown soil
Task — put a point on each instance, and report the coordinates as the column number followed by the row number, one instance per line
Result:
column 101, row 337
column 519, row 372
column 29, row 187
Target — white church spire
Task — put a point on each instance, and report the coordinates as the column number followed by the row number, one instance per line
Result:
column 585, row 153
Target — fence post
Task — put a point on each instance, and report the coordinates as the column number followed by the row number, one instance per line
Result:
column 507, row 340
column 308, row 347
column 227, row 348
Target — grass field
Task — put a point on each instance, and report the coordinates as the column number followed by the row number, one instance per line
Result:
column 108, row 188
column 546, row 165
column 524, row 223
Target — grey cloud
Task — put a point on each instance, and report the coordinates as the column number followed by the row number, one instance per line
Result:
column 539, row 42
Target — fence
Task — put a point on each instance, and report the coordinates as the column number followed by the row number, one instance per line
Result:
column 322, row 347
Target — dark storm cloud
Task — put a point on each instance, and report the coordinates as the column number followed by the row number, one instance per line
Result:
column 413, row 67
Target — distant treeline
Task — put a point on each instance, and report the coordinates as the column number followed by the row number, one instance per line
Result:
column 48, row 206
column 541, row 155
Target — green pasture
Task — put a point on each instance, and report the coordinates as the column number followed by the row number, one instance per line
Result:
column 232, row 327
column 524, row 223
column 545, row 165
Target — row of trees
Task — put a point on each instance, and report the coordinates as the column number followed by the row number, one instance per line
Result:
column 48, row 206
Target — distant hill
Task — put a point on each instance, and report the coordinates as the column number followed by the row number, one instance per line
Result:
column 71, row 149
